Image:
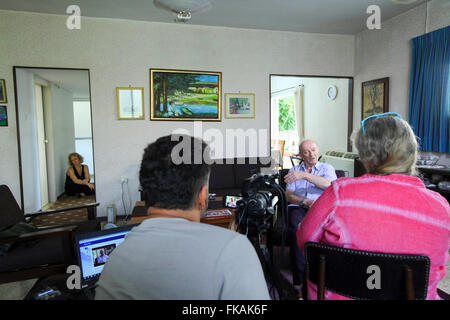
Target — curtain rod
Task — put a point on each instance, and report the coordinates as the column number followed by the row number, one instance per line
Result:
column 300, row 85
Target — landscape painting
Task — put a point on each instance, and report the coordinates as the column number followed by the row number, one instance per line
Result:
column 185, row 95
column 240, row 105
column 375, row 97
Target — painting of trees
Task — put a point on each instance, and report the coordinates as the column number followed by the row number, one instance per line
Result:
column 375, row 97
column 185, row 95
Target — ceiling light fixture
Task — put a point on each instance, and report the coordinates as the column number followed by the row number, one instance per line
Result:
column 183, row 9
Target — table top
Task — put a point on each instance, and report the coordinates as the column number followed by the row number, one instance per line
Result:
column 139, row 214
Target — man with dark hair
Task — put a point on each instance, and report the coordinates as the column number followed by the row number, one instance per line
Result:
column 171, row 255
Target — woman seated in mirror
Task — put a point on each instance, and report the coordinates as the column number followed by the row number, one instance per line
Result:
column 78, row 178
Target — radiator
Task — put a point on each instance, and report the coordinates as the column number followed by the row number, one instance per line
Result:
column 341, row 160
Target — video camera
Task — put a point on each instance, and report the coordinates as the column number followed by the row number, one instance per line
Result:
column 263, row 202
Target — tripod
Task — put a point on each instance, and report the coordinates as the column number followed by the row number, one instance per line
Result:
column 255, row 235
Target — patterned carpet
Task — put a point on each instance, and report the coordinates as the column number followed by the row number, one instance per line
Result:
column 64, row 217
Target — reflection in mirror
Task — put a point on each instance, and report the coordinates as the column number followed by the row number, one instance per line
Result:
column 310, row 107
column 54, row 120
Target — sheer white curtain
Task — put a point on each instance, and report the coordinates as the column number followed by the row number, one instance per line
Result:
column 299, row 112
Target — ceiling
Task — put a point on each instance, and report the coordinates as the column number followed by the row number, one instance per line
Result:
column 312, row 16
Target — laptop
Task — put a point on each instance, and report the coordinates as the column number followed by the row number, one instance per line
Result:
column 93, row 250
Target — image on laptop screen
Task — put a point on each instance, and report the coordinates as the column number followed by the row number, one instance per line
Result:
column 94, row 249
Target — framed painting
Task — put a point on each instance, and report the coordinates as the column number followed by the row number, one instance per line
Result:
column 185, row 95
column 240, row 105
column 3, row 117
column 375, row 97
column 3, row 98
column 130, row 103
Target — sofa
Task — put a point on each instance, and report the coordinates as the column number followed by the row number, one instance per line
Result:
column 228, row 175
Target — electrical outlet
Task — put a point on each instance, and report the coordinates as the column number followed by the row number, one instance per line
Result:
column 124, row 179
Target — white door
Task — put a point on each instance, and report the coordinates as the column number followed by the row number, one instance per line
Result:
column 41, row 145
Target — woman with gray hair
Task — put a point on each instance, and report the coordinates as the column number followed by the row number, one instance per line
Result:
column 386, row 210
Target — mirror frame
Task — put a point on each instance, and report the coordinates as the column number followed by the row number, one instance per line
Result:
column 22, row 202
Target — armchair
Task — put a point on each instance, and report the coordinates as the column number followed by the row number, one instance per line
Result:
column 28, row 252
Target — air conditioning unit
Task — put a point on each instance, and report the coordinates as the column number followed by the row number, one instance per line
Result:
column 341, row 160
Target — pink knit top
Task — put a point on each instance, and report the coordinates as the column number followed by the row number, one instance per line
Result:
column 391, row 214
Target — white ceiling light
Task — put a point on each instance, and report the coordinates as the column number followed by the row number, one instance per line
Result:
column 183, row 9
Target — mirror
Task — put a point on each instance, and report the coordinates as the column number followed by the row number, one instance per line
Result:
column 310, row 107
column 53, row 111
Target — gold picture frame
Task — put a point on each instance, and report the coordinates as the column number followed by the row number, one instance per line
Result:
column 185, row 95
column 239, row 105
column 3, row 97
column 130, row 103
column 374, row 97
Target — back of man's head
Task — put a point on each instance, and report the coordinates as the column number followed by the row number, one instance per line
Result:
column 173, row 170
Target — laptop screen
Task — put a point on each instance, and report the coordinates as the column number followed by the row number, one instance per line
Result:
column 94, row 249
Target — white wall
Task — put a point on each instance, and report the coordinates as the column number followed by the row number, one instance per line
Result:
column 120, row 53
column 387, row 53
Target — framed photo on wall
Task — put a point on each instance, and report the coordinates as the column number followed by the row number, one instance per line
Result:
column 375, row 97
column 185, row 95
column 3, row 98
column 130, row 103
column 3, row 117
column 240, row 105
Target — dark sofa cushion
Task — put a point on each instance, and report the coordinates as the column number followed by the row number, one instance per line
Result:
column 221, row 177
column 228, row 176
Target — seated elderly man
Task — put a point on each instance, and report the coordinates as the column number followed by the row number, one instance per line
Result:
column 304, row 184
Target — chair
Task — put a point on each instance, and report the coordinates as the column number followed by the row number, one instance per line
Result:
column 366, row 275
column 28, row 252
column 278, row 145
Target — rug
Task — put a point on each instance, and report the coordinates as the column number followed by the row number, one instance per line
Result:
column 64, row 217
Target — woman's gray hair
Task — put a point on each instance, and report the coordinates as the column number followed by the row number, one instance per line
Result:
column 387, row 145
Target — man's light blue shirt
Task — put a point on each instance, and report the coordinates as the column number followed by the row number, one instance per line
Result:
column 305, row 189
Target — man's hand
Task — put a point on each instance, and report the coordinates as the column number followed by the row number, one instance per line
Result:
column 294, row 176
column 308, row 203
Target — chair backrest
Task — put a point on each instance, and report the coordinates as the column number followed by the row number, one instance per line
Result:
column 366, row 275
column 281, row 182
column 341, row 173
column 10, row 212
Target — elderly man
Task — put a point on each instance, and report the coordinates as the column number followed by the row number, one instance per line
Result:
column 304, row 184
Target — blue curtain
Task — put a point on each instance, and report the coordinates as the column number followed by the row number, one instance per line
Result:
column 429, row 94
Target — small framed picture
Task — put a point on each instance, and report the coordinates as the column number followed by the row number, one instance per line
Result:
column 3, row 98
column 3, row 117
column 239, row 105
column 130, row 103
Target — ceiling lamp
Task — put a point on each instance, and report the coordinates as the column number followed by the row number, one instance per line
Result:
column 183, row 9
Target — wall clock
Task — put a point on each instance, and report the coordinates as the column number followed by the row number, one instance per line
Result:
column 332, row 92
